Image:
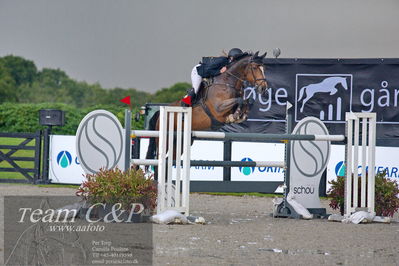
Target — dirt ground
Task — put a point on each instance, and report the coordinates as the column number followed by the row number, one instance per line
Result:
column 240, row 231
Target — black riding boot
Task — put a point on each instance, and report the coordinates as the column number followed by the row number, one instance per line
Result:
column 189, row 98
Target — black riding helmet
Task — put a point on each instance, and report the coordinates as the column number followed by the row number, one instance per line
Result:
column 235, row 53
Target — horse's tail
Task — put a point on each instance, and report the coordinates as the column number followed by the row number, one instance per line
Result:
column 152, row 147
column 301, row 92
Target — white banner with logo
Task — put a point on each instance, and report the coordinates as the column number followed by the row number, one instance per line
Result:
column 386, row 159
column 200, row 150
column 64, row 166
column 251, row 151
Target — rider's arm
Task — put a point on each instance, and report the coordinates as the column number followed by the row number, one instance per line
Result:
column 213, row 67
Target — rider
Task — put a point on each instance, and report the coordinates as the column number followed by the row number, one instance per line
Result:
column 208, row 68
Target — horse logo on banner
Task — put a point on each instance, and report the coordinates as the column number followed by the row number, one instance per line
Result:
column 328, row 85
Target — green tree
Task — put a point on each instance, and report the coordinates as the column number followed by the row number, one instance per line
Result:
column 51, row 85
column 171, row 94
column 21, row 70
column 7, row 86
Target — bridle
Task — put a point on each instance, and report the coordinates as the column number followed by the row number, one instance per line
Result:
column 245, row 83
column 253, row 74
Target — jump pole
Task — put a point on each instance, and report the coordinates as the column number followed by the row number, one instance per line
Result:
column 245, row 136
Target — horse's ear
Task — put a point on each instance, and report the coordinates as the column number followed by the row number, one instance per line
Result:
column 255, row 55
column 264, row 55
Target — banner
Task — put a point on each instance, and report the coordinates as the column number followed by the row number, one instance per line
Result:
column 64, row 166
column 326, row 89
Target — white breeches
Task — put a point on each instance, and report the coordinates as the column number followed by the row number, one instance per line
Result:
column 195, row 79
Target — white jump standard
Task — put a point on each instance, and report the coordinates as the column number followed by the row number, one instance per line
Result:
column 367, row 163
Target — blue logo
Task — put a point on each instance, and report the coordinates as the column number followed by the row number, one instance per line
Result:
column 392, row 172
column 64, row 159
column 247, row 170
column 340, row 169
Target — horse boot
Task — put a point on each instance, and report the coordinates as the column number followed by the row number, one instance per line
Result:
column 188, row 100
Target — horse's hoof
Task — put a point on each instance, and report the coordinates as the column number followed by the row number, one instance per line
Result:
column 230, row 119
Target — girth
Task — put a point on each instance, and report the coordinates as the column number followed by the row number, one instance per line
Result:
column 215, row 124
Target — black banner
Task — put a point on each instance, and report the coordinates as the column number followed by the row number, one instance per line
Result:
column 327, row 89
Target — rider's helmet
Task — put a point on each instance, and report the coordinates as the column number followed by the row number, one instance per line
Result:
column 235, row 53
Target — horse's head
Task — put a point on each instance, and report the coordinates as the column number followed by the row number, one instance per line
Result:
column 343, row 83
column 252, row 71
column 255, row 72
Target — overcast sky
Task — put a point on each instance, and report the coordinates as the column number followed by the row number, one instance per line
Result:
column 151, row 44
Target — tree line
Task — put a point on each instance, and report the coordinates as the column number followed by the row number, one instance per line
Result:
column 24, row 90
column 22, row 82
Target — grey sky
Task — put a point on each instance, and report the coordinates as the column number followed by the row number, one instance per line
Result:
column 150, row 44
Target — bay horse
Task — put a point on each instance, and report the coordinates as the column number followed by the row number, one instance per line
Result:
column 222, row 102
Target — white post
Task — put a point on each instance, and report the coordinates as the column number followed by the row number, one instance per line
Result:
column 178, row 158
column 162, row 160
column 348, row 165
column 356, row 165
column 364, row 162
column 169, row 176
column 186, row 160
column 371, row 164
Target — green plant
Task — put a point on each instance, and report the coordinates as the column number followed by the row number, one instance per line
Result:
column 386, row 194
column 337, row 193
column 115, row 186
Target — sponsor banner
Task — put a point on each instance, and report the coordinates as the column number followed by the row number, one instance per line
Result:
column 385, row 160
column 200, row 150
column 64, row 166
column 325, row 89
column 251, row 151
column 207, row 150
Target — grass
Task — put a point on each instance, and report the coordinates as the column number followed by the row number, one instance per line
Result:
column 19, row 153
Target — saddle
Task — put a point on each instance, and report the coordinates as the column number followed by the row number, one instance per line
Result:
column 205, row 84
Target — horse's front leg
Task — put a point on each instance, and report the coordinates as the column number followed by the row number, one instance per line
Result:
column 240, row 114
column 232, row 118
